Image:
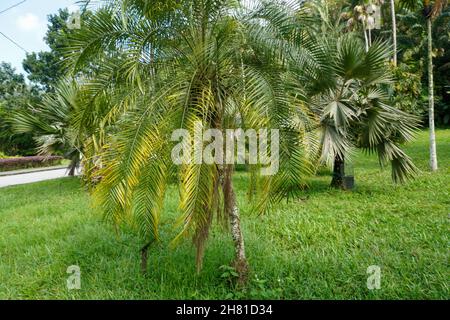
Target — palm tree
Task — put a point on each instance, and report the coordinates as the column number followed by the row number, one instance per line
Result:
column 354, row 110
column 347, row 95
column 71, row 121
column 196, row 62
column 394, row 32
column 50, row 124
column 431, row 10
column 365, row 14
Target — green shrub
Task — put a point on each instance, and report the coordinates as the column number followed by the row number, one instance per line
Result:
column 407, row 90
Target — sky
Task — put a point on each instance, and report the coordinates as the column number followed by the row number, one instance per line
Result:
column 26, row 25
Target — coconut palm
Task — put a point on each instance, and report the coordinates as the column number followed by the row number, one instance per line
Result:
column 196, row 62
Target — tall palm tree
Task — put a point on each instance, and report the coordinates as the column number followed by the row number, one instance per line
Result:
column 394, row 31
column 196, row 62
column 430, row 10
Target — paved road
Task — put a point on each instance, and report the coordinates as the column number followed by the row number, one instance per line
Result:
column 32, row 177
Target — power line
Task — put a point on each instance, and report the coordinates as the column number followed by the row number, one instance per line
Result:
column 12, row 41
column 4, row 35
column 13, row 6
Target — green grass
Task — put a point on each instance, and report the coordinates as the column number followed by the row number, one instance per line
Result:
column 316, row 248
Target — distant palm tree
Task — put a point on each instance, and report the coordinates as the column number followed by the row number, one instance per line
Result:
column 430, row 10
column 50, row 124
column 394, row 31
column 199, row 61
column 354, row 110
column 70, row 121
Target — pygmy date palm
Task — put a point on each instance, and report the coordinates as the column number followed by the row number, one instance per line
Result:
column 199, row 61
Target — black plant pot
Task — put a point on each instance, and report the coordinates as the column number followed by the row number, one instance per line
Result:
column 349, row 182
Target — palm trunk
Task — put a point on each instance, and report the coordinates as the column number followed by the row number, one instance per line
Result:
column 433, row 155
column 72, row 168
column 394, row 32
column 144, row 257
column 74, row 164
column 232, row 210
column 366, row 39
column 338, row 173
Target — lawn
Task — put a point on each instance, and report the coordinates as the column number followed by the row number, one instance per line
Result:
column 318, row 247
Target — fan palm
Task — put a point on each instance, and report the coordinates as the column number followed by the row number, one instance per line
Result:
column 50, row 124
column 355, row 113
column 199, row 62
column 344, row 87
column 71, row 121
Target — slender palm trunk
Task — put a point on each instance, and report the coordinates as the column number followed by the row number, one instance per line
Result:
column 232, row 210
column 366, row 39
column 433, row 155
column 338, row 173
column 240, row 261
column 394, row 32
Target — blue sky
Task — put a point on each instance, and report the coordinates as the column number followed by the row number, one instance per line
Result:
column 26, row 24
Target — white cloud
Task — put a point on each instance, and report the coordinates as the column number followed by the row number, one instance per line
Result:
column 29, row 22
column 33, row 25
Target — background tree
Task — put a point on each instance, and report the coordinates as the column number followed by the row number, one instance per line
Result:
column 15, row 95
column 431, row 10
column 394, row 31
column 45, row 68
column 355, row 113
column 441, row 54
